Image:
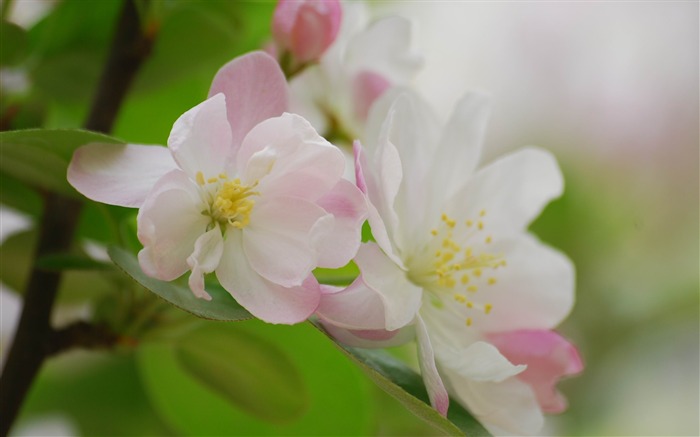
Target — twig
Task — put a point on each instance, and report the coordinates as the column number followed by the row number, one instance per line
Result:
column 32, row 342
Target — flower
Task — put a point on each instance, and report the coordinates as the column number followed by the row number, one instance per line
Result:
column 306, row 28
column 363, row 62
column 454, row 266
column 242, row 190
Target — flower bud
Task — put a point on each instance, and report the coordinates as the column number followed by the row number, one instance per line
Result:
column 306, row 28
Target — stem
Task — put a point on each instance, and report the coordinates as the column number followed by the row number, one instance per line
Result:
column 32, row 342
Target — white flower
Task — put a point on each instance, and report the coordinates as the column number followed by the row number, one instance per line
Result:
column 364, row 61
column 453, row 261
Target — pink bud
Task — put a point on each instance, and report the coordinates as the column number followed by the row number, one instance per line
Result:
column 306, row 28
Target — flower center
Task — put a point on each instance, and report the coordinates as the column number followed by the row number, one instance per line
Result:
column 459, row 271
column 229, row 200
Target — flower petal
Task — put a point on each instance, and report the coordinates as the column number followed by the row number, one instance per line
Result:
column 508, row 407
column 407, row 123
column 255, row 90
column 348, row 206
column 370, row 339
column 535, row 290
column 118, row 174
column 169, row 223
column 280, row 242
column 288, row 158
column 267, row 301
column 548, row 357
column 385, row 48
column 512, row 190
column 380, row 181
column 205, row 259
column 356, row 307
column 437, row 393
column 401, row 298
column 459, row 150
column 201, row 139
column 367, row 86
column 480, row 361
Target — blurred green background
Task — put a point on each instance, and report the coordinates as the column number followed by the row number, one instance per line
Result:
column 610, row 88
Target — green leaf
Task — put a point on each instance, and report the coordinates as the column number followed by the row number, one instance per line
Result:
column 14, row 43
column 252, row 373
column 342, row 276
column 338, row 396
column 221, row 307
column 40, row 157
column 401, row 382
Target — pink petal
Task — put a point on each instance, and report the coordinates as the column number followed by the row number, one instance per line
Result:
column 356, row 307
column 548, row 357
column 268, row 301
column 169, row 223
column 370, row 339
column 255, row 90
column 279, row 242
column 367, row 86
column 201, row 139
column 205, row 259
column 433, row 382
column 349, row 209
column 118, row 174
column 289, row 158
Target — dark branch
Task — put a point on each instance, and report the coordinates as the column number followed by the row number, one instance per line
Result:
column 32, row 342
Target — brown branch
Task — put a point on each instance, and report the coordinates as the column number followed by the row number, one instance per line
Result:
column 31, row 344
column 83, row 335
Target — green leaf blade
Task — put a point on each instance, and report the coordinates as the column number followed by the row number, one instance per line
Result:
column 400, row 381
column 40, row 157
column 222, row 306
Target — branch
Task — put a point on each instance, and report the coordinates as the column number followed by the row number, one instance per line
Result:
column 32, row 342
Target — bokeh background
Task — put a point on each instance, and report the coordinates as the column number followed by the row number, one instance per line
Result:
column 612, row 88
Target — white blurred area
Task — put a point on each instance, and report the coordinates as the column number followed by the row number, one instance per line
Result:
column 612, row 89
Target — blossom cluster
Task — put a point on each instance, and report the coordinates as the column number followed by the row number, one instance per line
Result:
column 251, row 187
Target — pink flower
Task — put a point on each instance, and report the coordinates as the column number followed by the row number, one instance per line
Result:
column 454, row 266
column 243, row 190
column 306, row 28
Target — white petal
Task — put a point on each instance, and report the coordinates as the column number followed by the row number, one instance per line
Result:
column 380, row 182
column 205, row 259
column 118, row 174
column 401, row 297
column 348, row 208
column 459, row 149
column 169, row 223
column 279, row 241
column 534, row 291
column 201, row 139
column 385, row 48
column 426, row 358
column 288, row 158
column 270, row 302
column 512, row 191
column 480, row 361
column 410, row 126
column 504, row 408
